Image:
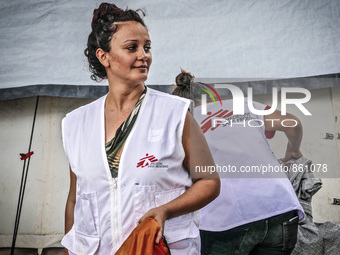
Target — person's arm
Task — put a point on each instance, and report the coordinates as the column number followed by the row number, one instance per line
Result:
column 206, row 186
column 292, row 128
column 70, row 204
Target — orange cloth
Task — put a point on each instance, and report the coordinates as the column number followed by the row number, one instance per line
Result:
column 142, row 240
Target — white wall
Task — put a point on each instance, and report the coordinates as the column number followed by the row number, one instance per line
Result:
column 42, row 217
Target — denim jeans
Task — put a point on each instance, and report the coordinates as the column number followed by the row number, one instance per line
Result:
column 272, row 236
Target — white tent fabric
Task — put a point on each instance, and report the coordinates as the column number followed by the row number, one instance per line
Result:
column 42, row 42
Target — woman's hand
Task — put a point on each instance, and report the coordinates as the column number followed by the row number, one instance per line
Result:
column 160, row 215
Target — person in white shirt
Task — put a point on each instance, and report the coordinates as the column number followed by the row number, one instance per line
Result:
column 257, row 211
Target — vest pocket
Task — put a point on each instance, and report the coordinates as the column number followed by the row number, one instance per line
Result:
column 181, row 227
column 83, row 238
column 79, row 243
column 144, row 199
column 86, row 219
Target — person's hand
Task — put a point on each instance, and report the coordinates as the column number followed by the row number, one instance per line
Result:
column 291, row 154
column 160, row 215
column 66, row 252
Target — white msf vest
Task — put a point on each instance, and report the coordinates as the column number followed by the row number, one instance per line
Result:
column 150, row 174
column 252, row 186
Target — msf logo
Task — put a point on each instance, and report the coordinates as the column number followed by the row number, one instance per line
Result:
column 143, row 162
column 238, row 100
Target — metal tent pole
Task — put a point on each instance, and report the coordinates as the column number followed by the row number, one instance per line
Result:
column 23, row 180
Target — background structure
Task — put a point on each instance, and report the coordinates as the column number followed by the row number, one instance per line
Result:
column 263, row 43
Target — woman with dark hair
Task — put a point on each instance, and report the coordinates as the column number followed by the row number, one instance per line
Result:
column 256, row 212
column 187, row 88
column 129, row 151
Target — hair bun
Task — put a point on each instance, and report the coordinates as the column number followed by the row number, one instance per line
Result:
column 184, row 79
column 102, row 10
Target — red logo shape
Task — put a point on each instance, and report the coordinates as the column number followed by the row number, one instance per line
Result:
column 206, row 124
column 143, row 162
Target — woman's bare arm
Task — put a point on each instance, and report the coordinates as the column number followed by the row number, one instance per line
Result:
column 70, row 204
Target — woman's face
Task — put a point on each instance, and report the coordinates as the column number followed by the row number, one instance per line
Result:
column 130, row 56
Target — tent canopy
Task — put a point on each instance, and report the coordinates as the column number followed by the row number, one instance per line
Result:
column 42, row 42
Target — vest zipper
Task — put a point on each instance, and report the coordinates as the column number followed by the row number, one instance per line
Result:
column 115, row 214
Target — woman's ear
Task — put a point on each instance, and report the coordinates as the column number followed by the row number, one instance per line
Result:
column 102, row 57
